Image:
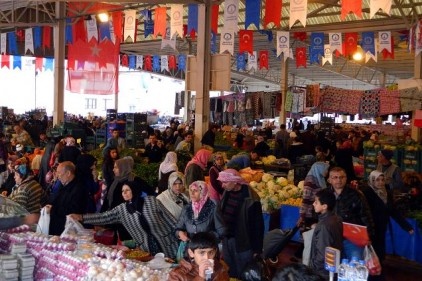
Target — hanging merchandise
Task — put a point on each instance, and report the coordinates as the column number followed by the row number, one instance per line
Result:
column 369, row 104
column 410, row 99
column 389, row 102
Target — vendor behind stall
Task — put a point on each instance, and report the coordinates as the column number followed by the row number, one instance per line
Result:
column 149, row 223
column 392, row 172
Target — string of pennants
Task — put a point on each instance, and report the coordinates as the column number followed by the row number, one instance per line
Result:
column 26, row 63
column 40, row 37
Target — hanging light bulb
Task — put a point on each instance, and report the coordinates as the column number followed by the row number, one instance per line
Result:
column 103, row 17
column 358, row 55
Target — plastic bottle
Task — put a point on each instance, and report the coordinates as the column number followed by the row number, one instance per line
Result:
column 362, row 271
column 342, row 270
column 355, row 261
column 351, row 273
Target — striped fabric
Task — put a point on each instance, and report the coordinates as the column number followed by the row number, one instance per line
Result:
column 30, row 195
column 161, row 223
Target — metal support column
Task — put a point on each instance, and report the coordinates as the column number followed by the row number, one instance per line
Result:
column 202, row 97
column 59, row 66
column 284, row 83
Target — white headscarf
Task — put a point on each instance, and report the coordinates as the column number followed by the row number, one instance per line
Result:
column 169, row 164
column 381, row 192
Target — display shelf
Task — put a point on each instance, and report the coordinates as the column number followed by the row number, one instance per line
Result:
column 411, row 161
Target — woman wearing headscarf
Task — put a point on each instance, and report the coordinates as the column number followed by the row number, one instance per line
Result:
column 195, row 168
column 123, row 171
column 168, row 166
column 216, row 189
column 381, row 205
column 199, row 215
column 314, row 182
column 145, row 218
column 174, row 198
column 28, row 193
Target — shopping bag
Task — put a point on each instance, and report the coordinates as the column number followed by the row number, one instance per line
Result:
column 372, row 261
column 181, row 251
column 307, row 242
column 43, row 222
column 72, row 227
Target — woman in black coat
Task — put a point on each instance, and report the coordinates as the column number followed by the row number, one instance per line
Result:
column 381, row 205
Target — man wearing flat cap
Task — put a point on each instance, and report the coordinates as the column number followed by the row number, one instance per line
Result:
column 391, row 171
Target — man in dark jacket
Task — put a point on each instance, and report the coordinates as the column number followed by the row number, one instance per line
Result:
column 352, row 207
column 241, row 210
column 70, row 198
column 209, row 136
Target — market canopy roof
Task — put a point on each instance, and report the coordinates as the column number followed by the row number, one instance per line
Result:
column 322, row 16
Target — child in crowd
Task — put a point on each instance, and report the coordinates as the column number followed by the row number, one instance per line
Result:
column 203, row 264
column 328, row 231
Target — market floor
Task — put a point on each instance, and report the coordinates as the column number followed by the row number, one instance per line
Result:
column 396, row 268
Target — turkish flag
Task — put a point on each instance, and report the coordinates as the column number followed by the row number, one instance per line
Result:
column 300, row 36
column 350, row 43
column 386, row 54
column 273, row 13
column 354, row 6
column 93, row 67
column 263, row 59
column 5, row 61
column 46, row 37
column 172, row 62
column 214, row 18
column 124, row 60
column 246, row 41
column 300, row 57
column 148, row 63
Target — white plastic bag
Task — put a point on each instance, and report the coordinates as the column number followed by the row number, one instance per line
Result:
column 72, row 227
column 307, row 241
column 44, row 222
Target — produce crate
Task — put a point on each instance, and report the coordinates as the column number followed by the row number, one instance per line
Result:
column 411, row 161
column 370, row 160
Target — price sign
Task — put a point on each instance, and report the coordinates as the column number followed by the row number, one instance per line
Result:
column 332, row 259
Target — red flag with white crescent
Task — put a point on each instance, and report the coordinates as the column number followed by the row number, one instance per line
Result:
column 246, row 41
column 300, row 57
column 263, row 59
column 354, row 6
column 350, row 43
column 148, row 63
column 172, row 62
column 124, row 60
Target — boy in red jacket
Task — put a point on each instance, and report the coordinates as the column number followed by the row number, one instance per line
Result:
column 203, row 264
